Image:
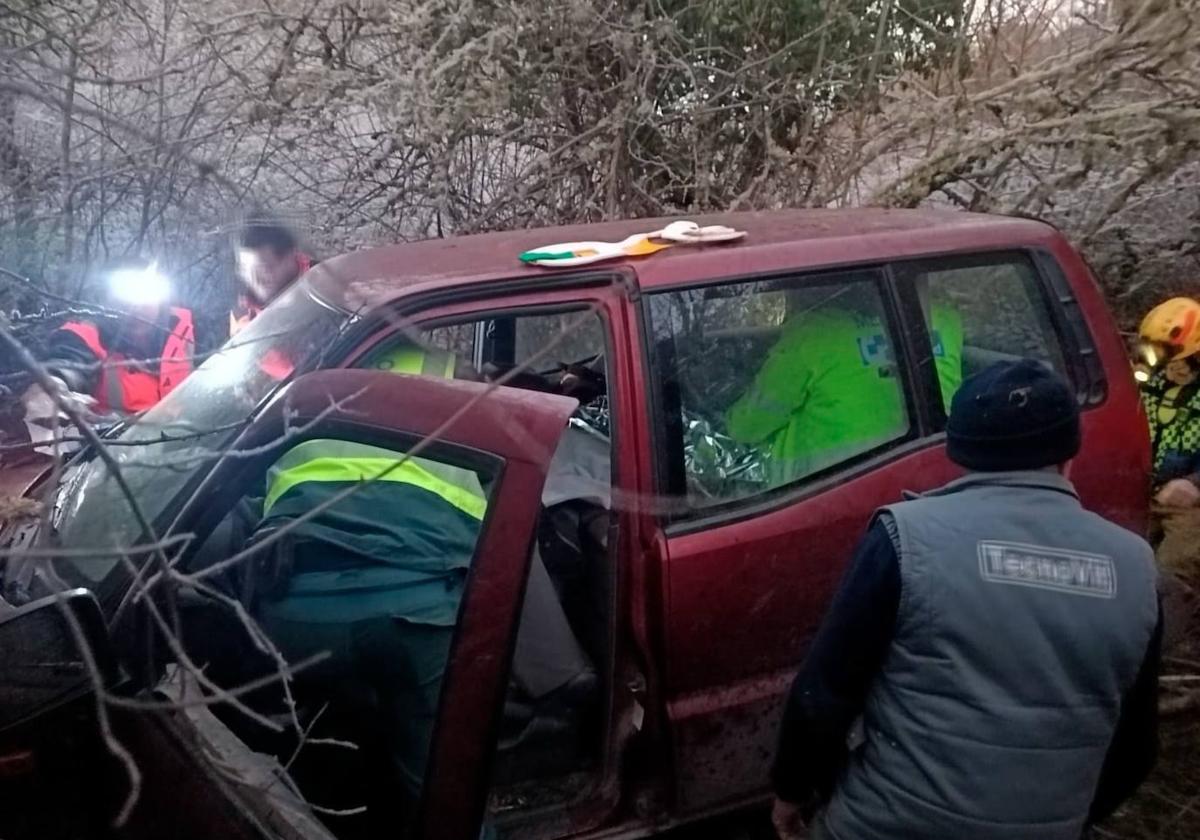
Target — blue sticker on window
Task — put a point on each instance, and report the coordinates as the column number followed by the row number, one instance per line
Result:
column 939, row 349
column 874, row 350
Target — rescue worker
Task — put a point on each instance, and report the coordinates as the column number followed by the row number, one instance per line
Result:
column 998, row 643
column 829, row 390
column 269, row 260
column 379, row 592
column 1170, row 376
column 125, row 365
column 375, row 580
column 548, row 655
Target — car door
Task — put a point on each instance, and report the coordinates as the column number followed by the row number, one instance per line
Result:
column 507, row 436
column 547, row 321
column 753, row 553
column 765, row 515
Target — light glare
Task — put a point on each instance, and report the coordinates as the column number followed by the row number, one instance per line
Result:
column 140, row 286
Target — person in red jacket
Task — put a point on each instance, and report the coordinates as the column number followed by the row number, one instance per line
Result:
column 269, row 260
column 125, row 365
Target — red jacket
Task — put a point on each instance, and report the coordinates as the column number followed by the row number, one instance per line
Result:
column 128, row 388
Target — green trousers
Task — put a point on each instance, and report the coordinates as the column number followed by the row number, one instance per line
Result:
column 383, row 667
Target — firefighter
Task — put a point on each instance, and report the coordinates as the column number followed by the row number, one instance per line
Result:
column 998, row 643
column 123, row 365
column 269, row 261
column 1169, row 339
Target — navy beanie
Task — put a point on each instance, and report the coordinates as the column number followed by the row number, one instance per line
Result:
column 1013, row 416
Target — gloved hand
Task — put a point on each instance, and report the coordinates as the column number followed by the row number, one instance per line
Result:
column 1179, row 492
column 40, row 406
column 44, row 419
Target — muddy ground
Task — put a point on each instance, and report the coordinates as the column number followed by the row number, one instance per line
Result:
column 1166, row 807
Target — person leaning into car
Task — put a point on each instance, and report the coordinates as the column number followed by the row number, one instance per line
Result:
column 378, row 595
column 998, row 643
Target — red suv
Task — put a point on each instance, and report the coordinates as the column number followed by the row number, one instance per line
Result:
column 689, row 576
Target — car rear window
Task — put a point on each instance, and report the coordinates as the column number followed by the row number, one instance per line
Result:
column 1003, row 311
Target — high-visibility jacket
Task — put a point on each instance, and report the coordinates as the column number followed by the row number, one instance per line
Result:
column 399, row 544
column 829, row 389
column 1173, row 412
column 417, row 361
column 125, row 387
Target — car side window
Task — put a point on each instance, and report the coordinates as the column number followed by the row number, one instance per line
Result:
column 981, row 310
column 572, row 338
column 456, row 338
column 768, row 384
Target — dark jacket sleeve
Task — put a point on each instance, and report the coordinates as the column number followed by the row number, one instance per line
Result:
column 70, row 359
column 829, row 692
column 1134, row 747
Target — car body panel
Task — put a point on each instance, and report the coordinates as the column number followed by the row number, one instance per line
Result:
column 721, row 628
column 718, row 610
column 775, row 241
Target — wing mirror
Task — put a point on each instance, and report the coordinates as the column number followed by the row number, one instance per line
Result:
column 50, row 652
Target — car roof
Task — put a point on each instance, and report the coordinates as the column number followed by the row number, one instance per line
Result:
column 775, row 241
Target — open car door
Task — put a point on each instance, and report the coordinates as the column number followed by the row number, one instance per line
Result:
column 508, row 438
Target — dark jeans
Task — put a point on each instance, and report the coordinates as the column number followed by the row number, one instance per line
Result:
column 385, row 668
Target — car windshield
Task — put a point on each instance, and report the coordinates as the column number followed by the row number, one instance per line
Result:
column 184, row 433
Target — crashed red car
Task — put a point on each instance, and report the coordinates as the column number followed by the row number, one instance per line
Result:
column 700, row 579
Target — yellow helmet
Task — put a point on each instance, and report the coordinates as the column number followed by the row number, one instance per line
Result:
column 1170, row 331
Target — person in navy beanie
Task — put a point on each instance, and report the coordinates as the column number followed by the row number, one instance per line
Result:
column 1013, row 416
column 998, row 643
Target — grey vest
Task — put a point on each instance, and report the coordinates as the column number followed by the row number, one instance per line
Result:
column 1023, row 621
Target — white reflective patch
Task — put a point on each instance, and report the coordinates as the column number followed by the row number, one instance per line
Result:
column 1073, row 572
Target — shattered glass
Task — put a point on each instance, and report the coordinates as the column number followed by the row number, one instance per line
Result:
column 596, row 414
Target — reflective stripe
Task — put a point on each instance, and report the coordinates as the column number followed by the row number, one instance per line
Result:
column 114, row 388
column 344, row 461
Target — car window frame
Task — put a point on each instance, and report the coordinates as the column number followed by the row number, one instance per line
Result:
column 677, row 517
column 362, row 331
column 922, row 390
column 1088, row 374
